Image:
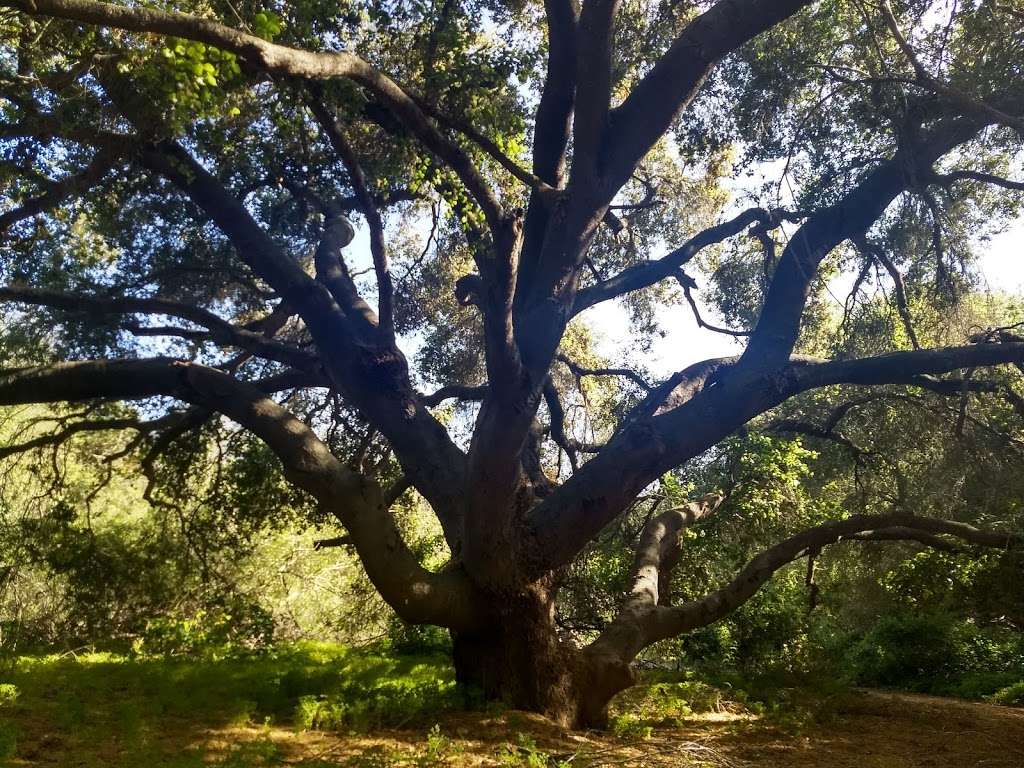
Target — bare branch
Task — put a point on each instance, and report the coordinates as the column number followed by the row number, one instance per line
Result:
column 640, row 625
column 65, row 434
column 557, row 413
column 985, row 178
column 454, row 392
column 579, row 372
column 688, row 284
column 865, row 246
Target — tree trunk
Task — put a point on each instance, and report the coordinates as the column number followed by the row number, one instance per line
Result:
column 524, row 664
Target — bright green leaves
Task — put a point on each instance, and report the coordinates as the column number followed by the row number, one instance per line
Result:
column 427, row 173
column 267, row 24
column 193, row 79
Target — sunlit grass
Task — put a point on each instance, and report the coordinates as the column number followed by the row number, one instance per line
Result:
column 117, row 710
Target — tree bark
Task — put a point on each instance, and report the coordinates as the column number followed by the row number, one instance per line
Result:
column 518, row 659
column 522, row 663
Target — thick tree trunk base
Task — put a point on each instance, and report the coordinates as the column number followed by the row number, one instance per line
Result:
column 522, row 664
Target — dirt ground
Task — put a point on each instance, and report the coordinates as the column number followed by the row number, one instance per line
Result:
column 865, row 729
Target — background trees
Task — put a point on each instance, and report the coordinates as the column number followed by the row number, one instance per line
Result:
column 182, row 185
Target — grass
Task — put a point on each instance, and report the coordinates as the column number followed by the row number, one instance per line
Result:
column 316, row 705
column 120, row 708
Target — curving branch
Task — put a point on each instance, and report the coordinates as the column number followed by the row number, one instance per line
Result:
column 688, row 284
column 760, row 569
column 902, row 306
column 419, row 596
column 647, row 273
column 981, row 177
column 659, row 97
column 454, row 392
column 644, row 619
column 557, row 413
column 699, row 407
column 283, row 61
column 627, row 373
column 94, row 425
column 775, row 334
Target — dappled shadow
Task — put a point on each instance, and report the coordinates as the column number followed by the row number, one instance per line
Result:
column 245, row 714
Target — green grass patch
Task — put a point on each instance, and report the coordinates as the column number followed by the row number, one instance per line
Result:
column 119, row 704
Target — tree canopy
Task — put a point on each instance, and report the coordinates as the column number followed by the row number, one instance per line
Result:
column 374, row 236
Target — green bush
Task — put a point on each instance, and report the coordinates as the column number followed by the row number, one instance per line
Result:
column 1011, row 695
column 936, row 654
column 207, row 634
column 8, row 693
column 906, row 652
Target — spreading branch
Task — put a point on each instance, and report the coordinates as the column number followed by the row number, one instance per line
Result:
column 419, row 596
column 283, row 61
column 215, row 327
column 59, row 191
column 643, row 621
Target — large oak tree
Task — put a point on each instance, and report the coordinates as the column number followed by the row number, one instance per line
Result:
column 181, row 188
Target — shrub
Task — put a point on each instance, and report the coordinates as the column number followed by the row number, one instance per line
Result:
column 906, row 651
column 1011, row 695
column 8, row 693
column 213, row 634
column 936, row 654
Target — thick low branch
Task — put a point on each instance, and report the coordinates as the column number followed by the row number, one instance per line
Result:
column 419, row 596
column 659, row 548
column 700, row 407
column 640, row 625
